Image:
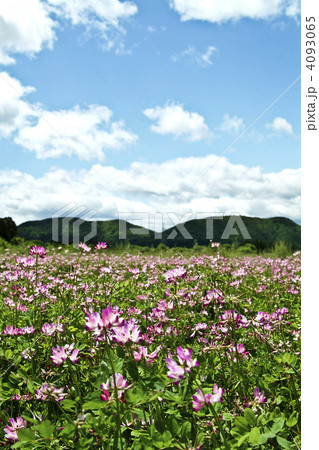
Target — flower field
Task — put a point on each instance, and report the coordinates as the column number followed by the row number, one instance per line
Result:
column 145, row 352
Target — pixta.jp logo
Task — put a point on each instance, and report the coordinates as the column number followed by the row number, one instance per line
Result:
column 67, row 234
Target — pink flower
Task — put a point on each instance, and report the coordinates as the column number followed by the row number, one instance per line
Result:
column 128, row 332
column 105, row 396
column 49, row 328
column 143, row 353
column 121, row 386
column 184, row 357
column 171, row 276
column 176, row 372
column 110, row 318
column 84, row 247
column 97, row 324
column 49, row 392
column 60, row 354
column 259, row 396
column 40, row 251
column 200, row 399
column 100, row 246
column 15, row 425
column 215, row 244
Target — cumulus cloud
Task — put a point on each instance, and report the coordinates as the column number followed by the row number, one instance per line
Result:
column 220, row 188
column 25, row 27
column 103, row 16
column 98, row 13
column 222, row 11
column 280, row 125
column 15, row 112
column 30, row 26
column 192, row 55
column 86, row 132
column 175, row 120
column 232, row 124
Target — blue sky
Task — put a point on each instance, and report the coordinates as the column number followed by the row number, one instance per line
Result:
column 122, row 106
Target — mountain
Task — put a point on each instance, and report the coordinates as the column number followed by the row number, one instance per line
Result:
column 262, row 232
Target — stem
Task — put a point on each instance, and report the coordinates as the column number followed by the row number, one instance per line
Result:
column 220, row 427
column 118, row 418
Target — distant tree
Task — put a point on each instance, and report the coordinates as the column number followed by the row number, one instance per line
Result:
column 8, row 228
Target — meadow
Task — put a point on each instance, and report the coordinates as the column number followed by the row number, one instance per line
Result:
column 142, row 351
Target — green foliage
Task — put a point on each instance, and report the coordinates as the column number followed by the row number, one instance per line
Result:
column 265, row 233
column 8, row 229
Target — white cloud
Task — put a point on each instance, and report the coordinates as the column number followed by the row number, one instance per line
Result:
column 151, row 29
column 293, row 8
column 29, row 26
column 14, row 111
column 173, row 119
column 25, row 27
column 222, row 11
column 232, row 124
column 280, row 125
column 88, row 132
column 220, row 188
column 84, row 132
column 191, row 54
column 103, row 16
column 97, row 13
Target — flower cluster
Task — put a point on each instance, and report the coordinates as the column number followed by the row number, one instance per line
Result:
column 39, row 251
column 49, row 328
column 200, row 399
column 12, row 331
column 121, row 386
column 100, row 246
column 99, row 324
column 60, row 354
column 15, row 425
column 177, row 372
column 118, row 329
column 84, row 247
column 49, row 392
column 171, row 276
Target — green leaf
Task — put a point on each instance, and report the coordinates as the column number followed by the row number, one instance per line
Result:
column 293, row 419
column 84, row 444
column 132, row 369
column 93, row 404
column 68, row 432
column 173, row 426
column 242, row 425
column 277, row 426
column 26, row 435
column 290, row 358
column 268, row 434
column 227, row 416
column 242, row 439
column 160, row 426
column 68, row 405
column 250, row 417
column 254, row 436
column 120, row 352
column 30, row 385
column 284, row 443
column 8, row 354
column 186, row 431
column 46, row 429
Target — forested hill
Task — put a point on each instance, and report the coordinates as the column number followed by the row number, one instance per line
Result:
column 263, row 232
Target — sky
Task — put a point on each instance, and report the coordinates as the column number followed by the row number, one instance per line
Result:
column 162, row 109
